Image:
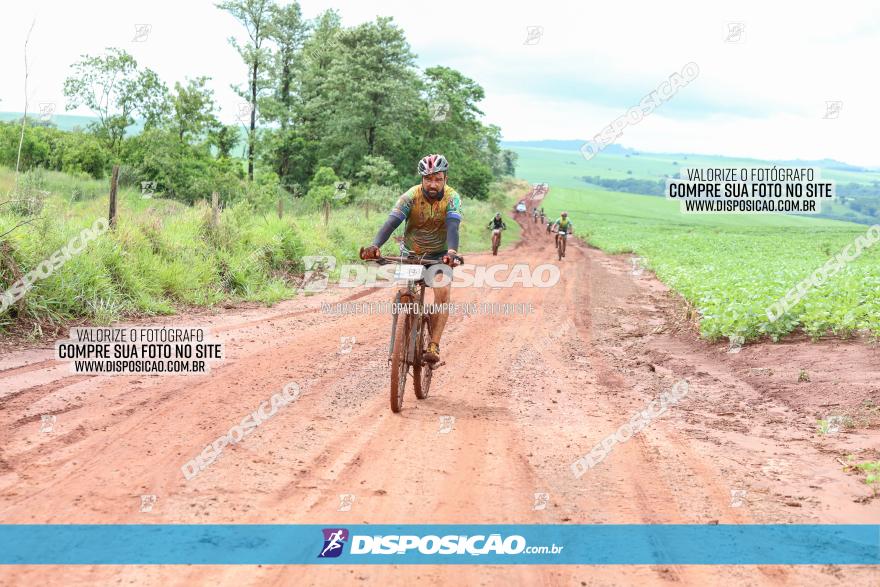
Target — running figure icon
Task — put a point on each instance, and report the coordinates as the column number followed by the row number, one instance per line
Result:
column 334, row 540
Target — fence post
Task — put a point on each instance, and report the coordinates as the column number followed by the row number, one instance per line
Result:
column 280, row 207
column 114, row 183
column 215, row 209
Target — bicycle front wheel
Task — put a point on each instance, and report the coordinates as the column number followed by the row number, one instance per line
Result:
column 399, row 366
column 421, row 372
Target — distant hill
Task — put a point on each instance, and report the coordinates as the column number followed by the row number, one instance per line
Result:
column 70, row 122
column 828, row 164
column 61, row 121
column 575, row 145
column 67, row 121
column 620, row 169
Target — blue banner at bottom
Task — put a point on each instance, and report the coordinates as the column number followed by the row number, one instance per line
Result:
column 224, row 544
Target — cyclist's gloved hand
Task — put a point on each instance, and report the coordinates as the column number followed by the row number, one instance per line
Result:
column 371, row 252
column 449, row 257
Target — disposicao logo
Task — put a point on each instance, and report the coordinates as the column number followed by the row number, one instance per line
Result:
column 334, row 540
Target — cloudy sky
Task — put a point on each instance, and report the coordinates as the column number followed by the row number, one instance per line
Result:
column 761, row 93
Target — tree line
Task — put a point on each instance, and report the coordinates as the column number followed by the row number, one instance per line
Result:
column 319, row 103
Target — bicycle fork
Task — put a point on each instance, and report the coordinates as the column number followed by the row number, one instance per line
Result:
column 416, row 331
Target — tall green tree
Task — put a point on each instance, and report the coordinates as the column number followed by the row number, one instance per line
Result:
column 509, row 159
column 224, row 138
column 254, row 15
column 287, row 30
column 451, row 125
column 372, row 97
column 192, row 109
column 377, row 171
column 313, row 109
column 451, row 99
column 115, row 90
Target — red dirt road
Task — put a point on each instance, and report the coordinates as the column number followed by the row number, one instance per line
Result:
column 529, row 395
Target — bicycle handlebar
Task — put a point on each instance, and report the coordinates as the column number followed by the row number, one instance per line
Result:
column 410, row 260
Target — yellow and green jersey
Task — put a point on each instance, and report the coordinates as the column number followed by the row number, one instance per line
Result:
column 425, row 230
column 564, row 224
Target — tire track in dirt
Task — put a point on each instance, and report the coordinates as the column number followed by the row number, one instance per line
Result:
column 529, row 394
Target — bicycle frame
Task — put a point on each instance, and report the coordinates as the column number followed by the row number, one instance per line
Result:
column 562, row 241
column 404, row 355
column 415, row 290
column 418, row 305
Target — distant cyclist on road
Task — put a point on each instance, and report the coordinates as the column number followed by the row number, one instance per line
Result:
column 497, row 222
column 497, row 225
column 563, row 225
column 432, row 211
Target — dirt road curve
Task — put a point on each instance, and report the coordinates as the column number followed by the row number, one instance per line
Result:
column 529, row 396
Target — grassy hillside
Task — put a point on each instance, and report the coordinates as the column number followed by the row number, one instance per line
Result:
column 165, row 255
column 566, row 168
column 732, row 267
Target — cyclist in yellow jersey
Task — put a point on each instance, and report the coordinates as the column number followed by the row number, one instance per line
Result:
column 563, row 225
column 432, row 212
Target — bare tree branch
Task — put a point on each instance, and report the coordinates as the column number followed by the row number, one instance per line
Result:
column 24, row 116
column 19, row 225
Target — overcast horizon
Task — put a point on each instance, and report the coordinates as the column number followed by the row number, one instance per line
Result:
column 761, row 93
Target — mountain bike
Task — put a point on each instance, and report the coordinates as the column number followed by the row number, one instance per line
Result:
column 496, row 240
column 561, row 238
column 410, row 328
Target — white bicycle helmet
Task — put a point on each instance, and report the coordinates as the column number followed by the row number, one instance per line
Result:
column 433, row 164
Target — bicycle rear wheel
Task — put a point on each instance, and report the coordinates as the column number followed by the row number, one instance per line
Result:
column 399, row 365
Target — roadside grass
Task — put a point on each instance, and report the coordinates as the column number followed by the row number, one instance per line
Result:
column 164, row 255
column 731, row 268
column 834, row 424
column 871, row 470
column 864, row 415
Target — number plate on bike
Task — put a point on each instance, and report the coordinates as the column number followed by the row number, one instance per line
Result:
column 408, row 272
